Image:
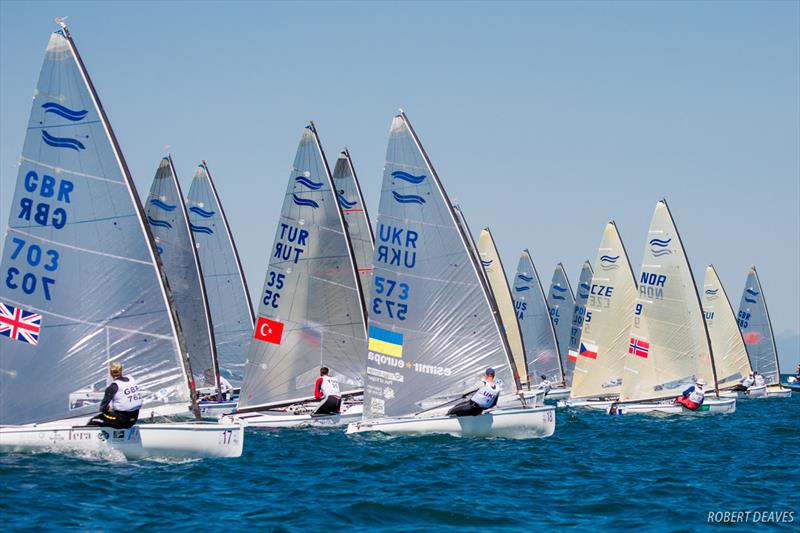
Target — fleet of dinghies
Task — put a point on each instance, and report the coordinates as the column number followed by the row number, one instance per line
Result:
column 406, row 316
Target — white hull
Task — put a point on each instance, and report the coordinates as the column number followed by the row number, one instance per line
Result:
column 773, row 391
column 175, row 440
column 288, row 419
column 215, row 410
column 710, row 406
column 518, row 423
column 558, row 394
column 590, row 404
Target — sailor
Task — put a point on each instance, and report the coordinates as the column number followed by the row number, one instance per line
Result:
column 745, row 383
column 692, row 398
column 484, row 398
column 327, row 389
column 121, row 402
column 546, row 385
column 225, row 387
column 759, row 380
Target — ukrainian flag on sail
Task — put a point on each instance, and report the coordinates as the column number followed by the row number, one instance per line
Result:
column 385, row 341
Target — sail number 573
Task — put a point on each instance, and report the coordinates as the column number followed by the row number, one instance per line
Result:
column 390, row 289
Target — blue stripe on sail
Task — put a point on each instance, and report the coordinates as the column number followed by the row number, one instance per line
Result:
column 522, row 288
column 405, row 176
column 160, row 250
column 557, row 297
column 712, row 292
column 65, row 112
column 585, row 286
column 661, row 252
column 487, row 263
column 752, row 292
column 200, row 229
column 313, row 185
column 202, row 212
column 165, row 206
column 385, row 335
column 750, row 300
column 560, row 288
column 609, row 258
column 659, row 242
column 344, row 202
column 408, row 198
column 158, row 223
column 62, row 142
column 583, row 296
column 306, row 202
column 523, row 277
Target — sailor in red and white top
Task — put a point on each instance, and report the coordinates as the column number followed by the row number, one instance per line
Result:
column 327, row 389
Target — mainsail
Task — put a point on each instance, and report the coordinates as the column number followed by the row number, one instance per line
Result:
column 669, row 346
column 82, row 286
column 604, row 342
column 730, row 354
column 311, row 312
column 432, row 327
column 169, row 224
column 533, row 314
column 756, row 330
column 581, row 297
column 225, row 283
column 561, row 302
column 498, row 282
column 356, row 218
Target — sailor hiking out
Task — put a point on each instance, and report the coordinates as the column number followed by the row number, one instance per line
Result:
column 759, row 380
column 484, row 398
column 327, row 389
column 545, row 385
column 745, row 383
column 693, row 397
column 121, row 402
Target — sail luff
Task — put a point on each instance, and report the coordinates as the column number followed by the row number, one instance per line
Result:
column 562, row 328
column 352, row 168
column 769, row 324
column 139, row 209
column 578, row 317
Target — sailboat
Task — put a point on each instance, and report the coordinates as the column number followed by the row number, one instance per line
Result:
column 311, row 312
column 433, row 329
column 84, row 288
column 604, row 344
column 669, row 347
column 759, row 339
column 581, row 297
column 533, row 314
column 561, row 302
column 226, row 289
column 169, row 223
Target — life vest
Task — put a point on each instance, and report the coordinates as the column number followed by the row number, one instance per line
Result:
column 760, row 381
column 546, row 385
column 127, row 397
column 747, row 381
column 329, row 387
column 697, row 396
column 486, row 396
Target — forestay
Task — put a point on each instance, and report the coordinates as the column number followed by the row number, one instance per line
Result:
column 225, row 283
column 533, row 314
column 605, row 340
column 498, row 283
column 561, row 302
column 756, row 329
column 356, row 218
column 81, row 283
column 669, row 345
column 311, row 313
column 169, row 223
column 730, row 354
column 432, row 326
column 581, row 297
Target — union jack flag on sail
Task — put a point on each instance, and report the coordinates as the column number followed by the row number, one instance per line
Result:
column 19, row 324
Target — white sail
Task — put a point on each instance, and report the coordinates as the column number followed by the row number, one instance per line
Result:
column 581, row 297
column 756, row 330
column 82, row 280
column 669, row 345
column 496, row 276
column 605, row 339
column 561, row 302
column 730, row 354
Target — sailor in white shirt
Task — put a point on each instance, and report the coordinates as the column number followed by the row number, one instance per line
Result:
column 121, row 402
column 759, row 380
column 745, row 383
column 484, row 398
column 546, row 385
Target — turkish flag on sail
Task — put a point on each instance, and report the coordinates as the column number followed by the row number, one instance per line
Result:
column 268, row 330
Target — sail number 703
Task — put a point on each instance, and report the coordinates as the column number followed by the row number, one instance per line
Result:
column 390, row 289
column 31, row 255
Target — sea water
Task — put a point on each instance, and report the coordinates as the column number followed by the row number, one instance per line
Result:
column 597, row 473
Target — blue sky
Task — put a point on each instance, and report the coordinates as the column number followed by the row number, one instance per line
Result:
column 544, row 120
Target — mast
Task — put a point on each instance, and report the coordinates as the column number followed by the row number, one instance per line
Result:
column 560, row 266
column 346, row 154
column 769, row 325
column 163, row 285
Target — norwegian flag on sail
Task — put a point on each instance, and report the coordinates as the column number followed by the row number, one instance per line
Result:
column 639, row 347
column 18, row 324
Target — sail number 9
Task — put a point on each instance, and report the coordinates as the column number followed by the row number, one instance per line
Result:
column 31, row 255
column 390, row 288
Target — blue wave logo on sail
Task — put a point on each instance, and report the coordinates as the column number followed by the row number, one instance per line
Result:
column 200, row 229
column 344, row 202
column 558, row 297
column 158, row 223
column 609, row 262
column 304, row 202
column 525, row 278
column 559, row 288
column 712, row 292
column 202, row 212
column 751, row 292
column 522, row 288
column 410, row 178
column 159, row 249
column 583, row 296
column 313, row 185
column 163, row 205
column 750, row 300
column 487, row 264
column 64, row 112
column 585, row 286
column 408, row 198
column 62, row 142
column 660, row 247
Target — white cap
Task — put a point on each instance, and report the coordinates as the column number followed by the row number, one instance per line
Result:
column 700, row 381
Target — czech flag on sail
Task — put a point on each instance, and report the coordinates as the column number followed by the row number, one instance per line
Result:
column 572, row 355
column 639, row 347
column 269, row 330
column 18, row 324
column 589, row 350
column 385, row 341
